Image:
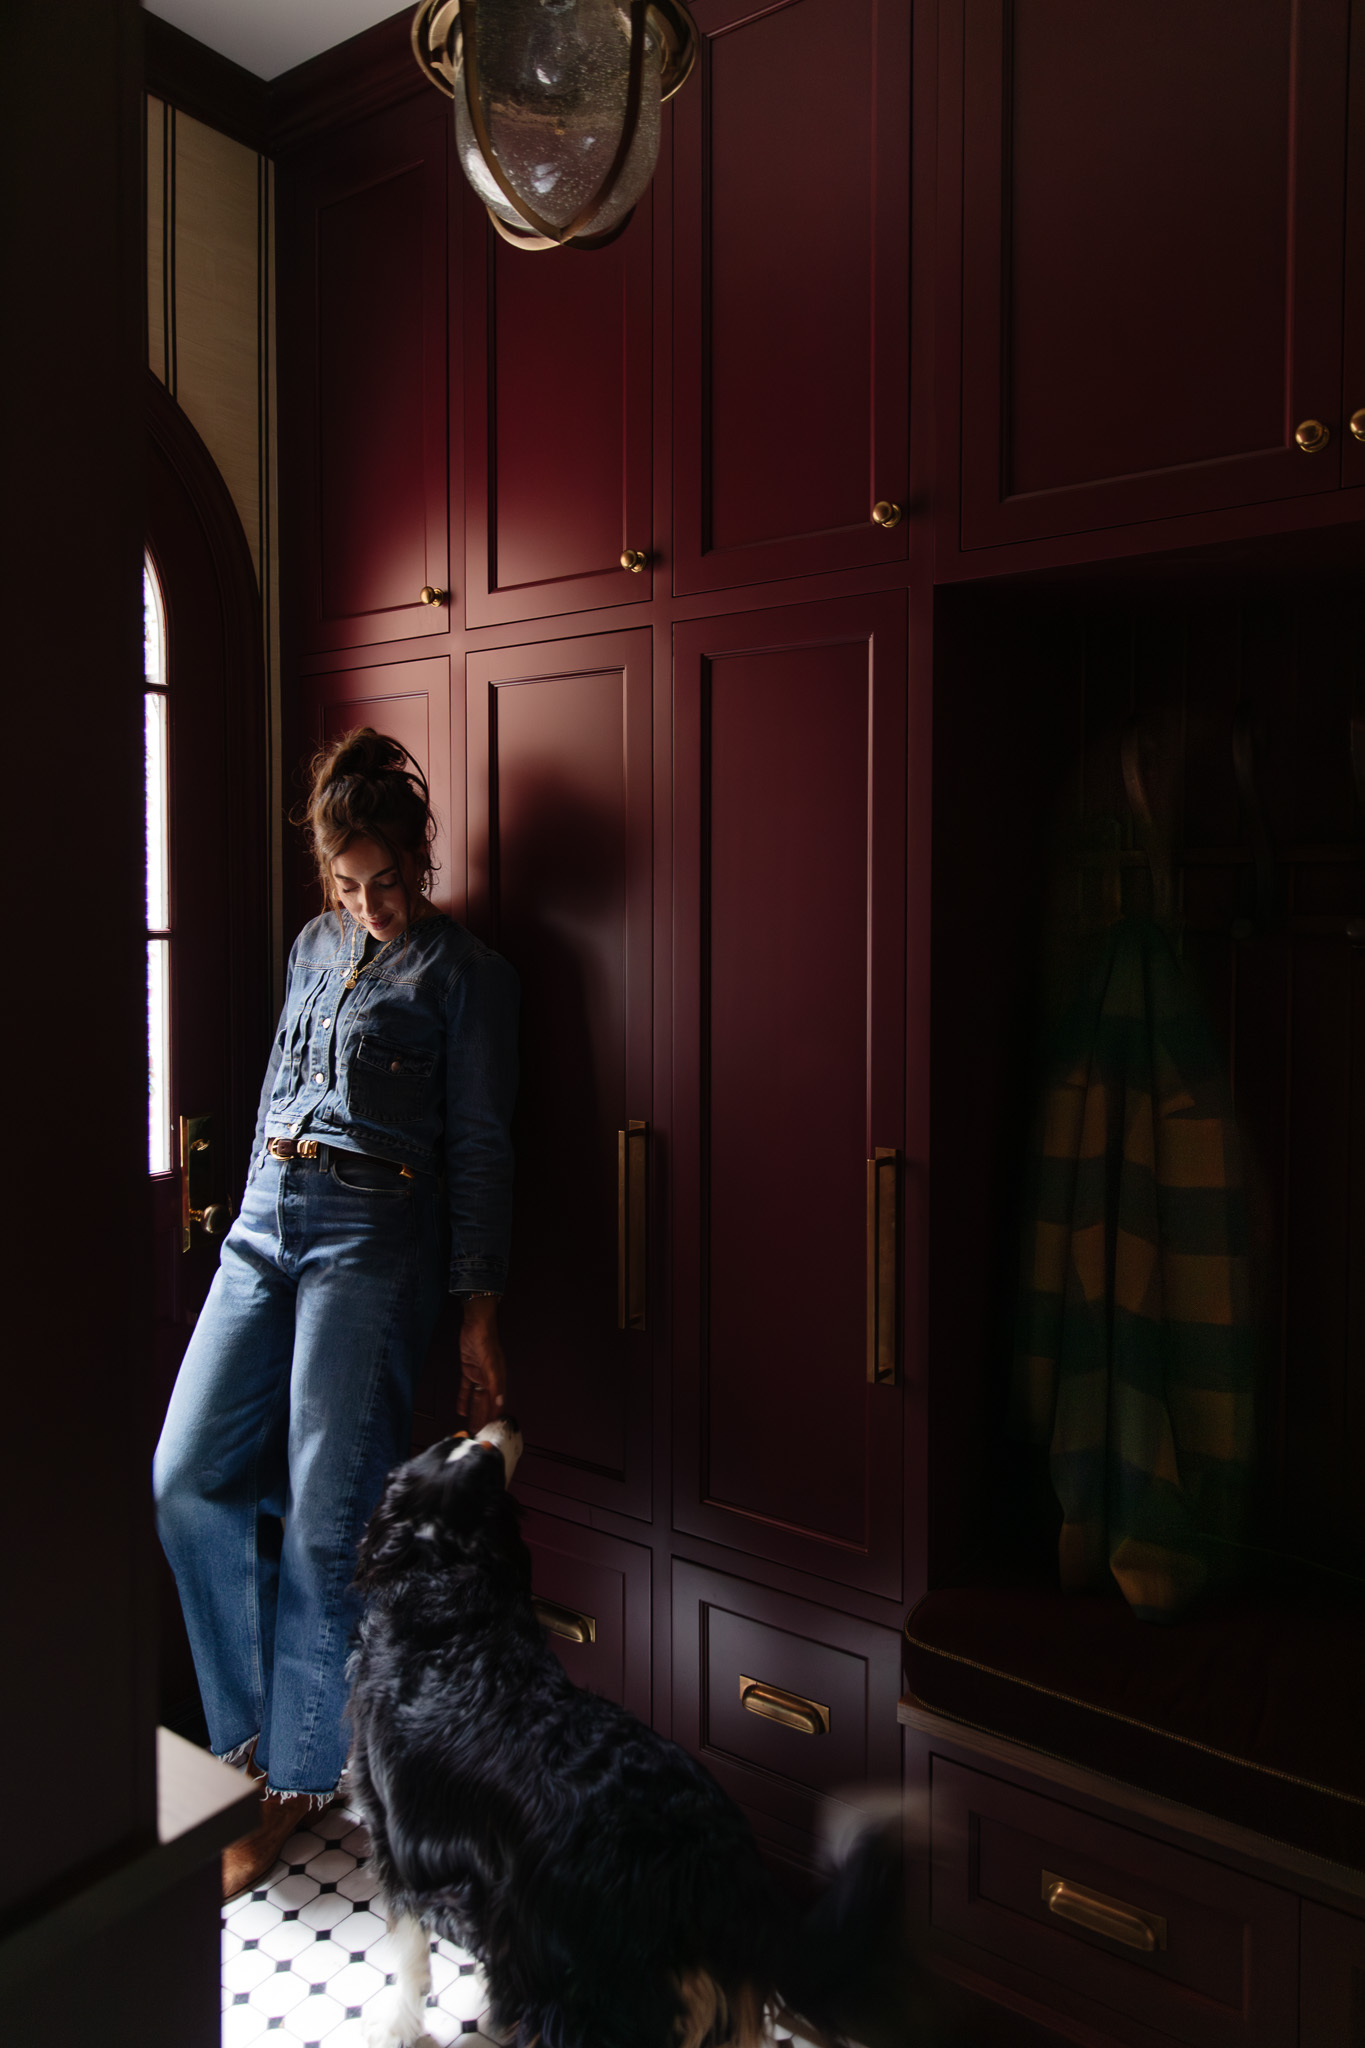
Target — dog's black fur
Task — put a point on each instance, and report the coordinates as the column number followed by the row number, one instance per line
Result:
column 592, row 1867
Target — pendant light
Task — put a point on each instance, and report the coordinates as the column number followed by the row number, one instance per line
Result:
column 556, row 105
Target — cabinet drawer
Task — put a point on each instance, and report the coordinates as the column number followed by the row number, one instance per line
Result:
column 594, row 1595
column 1128, row 1925
column 785, row 1701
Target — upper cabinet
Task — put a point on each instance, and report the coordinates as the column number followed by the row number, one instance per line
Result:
column 364, row 321
column 557, row 408
column 791, row 265
column 1153, row 232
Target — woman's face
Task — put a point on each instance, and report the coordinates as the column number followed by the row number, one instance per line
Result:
column 373, row 887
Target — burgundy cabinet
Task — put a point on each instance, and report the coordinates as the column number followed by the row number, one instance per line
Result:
column 364, row 230
column 560, row 881
column 409, row 700
column 1332, row 1976
column 592, row 1594
column 791, row 282
column 1152, row 285
column 790, row 966
column 558, row 424
column 787, row 1702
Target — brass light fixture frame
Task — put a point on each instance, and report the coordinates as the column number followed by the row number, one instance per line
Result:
column 445, row 42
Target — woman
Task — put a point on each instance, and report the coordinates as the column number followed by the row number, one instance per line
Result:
column 381, row 1168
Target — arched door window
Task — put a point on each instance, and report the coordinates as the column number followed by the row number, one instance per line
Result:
column 156, row 727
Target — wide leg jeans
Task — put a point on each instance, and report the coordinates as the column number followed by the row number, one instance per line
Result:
column 293, row 1401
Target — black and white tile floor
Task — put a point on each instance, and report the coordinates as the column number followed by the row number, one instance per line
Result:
column 305, row 1956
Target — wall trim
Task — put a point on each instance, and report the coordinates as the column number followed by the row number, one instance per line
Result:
column 365, row 75
column 197, row 81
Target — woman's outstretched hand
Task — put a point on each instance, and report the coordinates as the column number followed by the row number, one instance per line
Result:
column 483, row 1369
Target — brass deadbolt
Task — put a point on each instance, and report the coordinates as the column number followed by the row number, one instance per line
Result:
column 431, row 595
column 885, row 514
column 633, row 560
column 1312, row 436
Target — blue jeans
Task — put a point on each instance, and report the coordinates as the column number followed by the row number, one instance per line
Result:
column 293, row 1401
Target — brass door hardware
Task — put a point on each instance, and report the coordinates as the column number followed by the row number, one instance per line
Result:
column 883, row 1205
column 1099, row 1914
column 633, row 560
column 788, row 1709
column 632, row 1174
column 1358, row 424
column 197, row 1174
column 1312, row 436
column 885, row 514
column 564, row 1621
column 431, row 595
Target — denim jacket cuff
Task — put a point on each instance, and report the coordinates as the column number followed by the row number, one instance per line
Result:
column 477, row 1276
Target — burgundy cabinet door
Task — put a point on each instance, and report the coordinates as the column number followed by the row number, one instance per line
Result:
column 1331, row 1978
column 593, row 1592
column 790, row 966
column 1353, row 385
column 558, row 420
column 410, row 701
column 791, row 272
column 364, row 231
column 1152, row 233
column 560, row 881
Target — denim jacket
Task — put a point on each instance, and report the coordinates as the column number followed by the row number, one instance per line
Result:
column 417, row 1064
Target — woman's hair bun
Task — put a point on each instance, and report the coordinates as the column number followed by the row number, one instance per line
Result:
column 366, row 753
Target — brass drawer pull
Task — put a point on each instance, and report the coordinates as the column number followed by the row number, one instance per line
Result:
column 632, row 1174
column 564, row 1621
column 1312, row 436
column 883, row 1181
column 788, row 1709
column 1101, row 1915
column 431, row 594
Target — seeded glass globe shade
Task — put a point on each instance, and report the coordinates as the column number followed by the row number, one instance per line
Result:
column 556, row 104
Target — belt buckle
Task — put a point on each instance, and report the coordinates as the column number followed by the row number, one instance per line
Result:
column 308, row 1148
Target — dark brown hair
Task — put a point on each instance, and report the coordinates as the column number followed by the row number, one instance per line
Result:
column 367, row 785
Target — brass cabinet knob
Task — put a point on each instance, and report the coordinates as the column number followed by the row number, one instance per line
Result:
column 1312, row 436
column 633, row 560
column 431, row 595
column 1358, row 424
column 885, row 514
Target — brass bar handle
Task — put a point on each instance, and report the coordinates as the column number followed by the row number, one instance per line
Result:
column 632, row 1224
column 788, row 1709
column 1099, row 1914
column 564, row 1621
column 883, row 1234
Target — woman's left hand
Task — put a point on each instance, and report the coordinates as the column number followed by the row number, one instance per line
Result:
column 483, row 1383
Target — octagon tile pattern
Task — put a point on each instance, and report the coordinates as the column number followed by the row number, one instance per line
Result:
column 306, row 1955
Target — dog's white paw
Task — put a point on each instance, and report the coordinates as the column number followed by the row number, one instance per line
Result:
column 394, row 2024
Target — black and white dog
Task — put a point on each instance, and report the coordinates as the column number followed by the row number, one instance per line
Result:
column 612, row 1892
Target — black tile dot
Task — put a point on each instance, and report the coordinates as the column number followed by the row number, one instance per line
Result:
column 281, row 1967
column 353, row 2012
column 469, row 2026
column 323, row 1934
column 272, row 2025
column 389, row 1978
column 328, row 1887
column 291, row 1913
column 297, row 1869
column 253, row 1943
column 468, row 1969
column 315, row 1990
column 240, row 1997
column 358, row 1956
column 258, row 1895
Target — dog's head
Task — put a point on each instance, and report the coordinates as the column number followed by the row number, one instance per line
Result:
column 444, row 1507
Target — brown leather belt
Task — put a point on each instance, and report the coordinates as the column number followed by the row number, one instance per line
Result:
column 313, row 1148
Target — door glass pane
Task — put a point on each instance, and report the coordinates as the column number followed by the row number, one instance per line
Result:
column 159, row 1055
column 156, row 768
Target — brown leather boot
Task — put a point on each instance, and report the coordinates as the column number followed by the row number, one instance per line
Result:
column 246, row 1862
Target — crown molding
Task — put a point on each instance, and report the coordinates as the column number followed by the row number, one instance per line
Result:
column 361, row 76
column 196, row 80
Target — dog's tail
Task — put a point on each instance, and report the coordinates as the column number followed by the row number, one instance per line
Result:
column 852, row 1972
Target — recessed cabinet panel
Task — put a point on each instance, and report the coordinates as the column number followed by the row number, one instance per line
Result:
column 594, row 1591
column 1332, row 1976
column 560, row 873
column 792, row 254
column 1153, row 259
column 785, row 1701
column 791, row 781
column 558, row 424
column 364, row 263
column 1124, row 1923
column 410, row 702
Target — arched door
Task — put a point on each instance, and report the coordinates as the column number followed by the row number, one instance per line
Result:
column 207, row 961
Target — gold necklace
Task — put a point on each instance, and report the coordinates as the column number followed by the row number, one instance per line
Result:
column 355, row 972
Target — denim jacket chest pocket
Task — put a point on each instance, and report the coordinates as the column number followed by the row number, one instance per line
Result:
column 387, row 1083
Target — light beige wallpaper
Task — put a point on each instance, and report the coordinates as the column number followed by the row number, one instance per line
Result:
column 211, row 341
